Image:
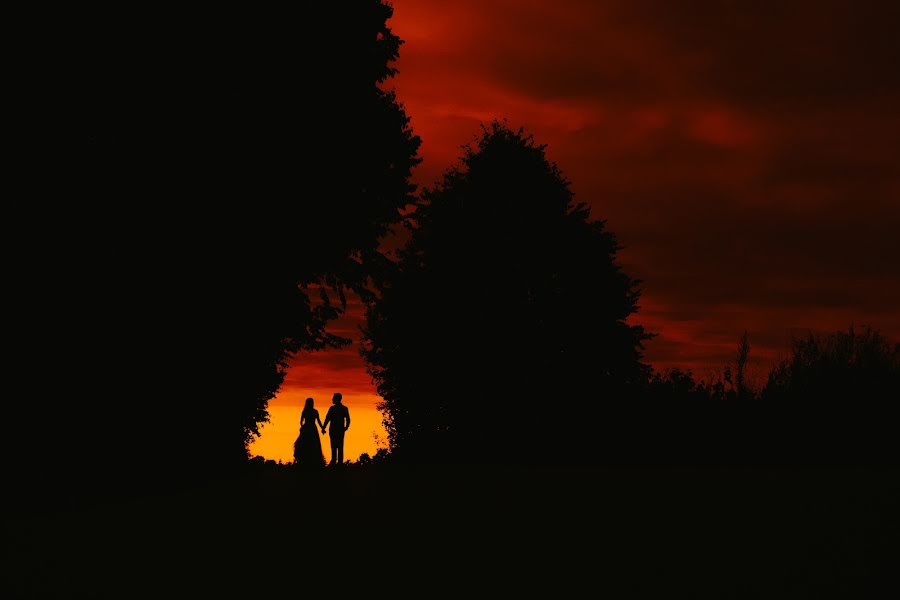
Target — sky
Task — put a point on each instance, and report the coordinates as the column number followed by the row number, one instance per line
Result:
column 745, row 153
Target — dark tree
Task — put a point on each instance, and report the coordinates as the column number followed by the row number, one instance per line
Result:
column 851, row 368
column 677, row 386
column 504, row 324
column 220, row 180
column 741, row 388
column 833, row 399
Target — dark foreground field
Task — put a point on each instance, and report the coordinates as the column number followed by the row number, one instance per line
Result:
column 458, row 532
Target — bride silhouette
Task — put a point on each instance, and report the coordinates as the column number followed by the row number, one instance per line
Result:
column 308, row 447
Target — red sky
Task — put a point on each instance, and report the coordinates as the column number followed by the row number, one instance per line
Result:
column 746, row 153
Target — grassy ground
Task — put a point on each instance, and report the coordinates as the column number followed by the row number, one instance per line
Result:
column 644, row 533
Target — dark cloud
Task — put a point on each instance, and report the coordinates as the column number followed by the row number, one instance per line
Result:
column 797, row 52
column 746, row 153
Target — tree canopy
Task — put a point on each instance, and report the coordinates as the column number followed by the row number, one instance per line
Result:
column 505, row 319
column 849, row 367
column 222, row 180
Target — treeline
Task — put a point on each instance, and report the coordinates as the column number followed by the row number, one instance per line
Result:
column 831, row 401
column 501, row 335
column 205, row 191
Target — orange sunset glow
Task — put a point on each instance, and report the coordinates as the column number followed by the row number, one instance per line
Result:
column 366, row 433
column 319, row 375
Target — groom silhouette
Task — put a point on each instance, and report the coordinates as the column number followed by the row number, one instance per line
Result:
column 339, row 417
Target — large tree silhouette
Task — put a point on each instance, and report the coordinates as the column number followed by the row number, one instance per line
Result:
column 504, row 322
column 222, row 179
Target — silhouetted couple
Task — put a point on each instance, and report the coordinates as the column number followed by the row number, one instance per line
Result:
column 308, row 447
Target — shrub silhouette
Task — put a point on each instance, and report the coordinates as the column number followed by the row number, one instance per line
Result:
column 848, row 367
column 504, row 321
column 827, row 403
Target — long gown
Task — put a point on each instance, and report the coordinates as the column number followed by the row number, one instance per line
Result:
column 308, row 447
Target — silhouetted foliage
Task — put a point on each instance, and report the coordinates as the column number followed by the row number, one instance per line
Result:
column 381, row 457
column 828, row 403
column 677, row 386
column 741, row 387
column 834, row 399
column 223, row 179
column 504, row 322
column 848, row 367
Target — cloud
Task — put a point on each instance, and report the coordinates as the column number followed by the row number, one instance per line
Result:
column 745, row 153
